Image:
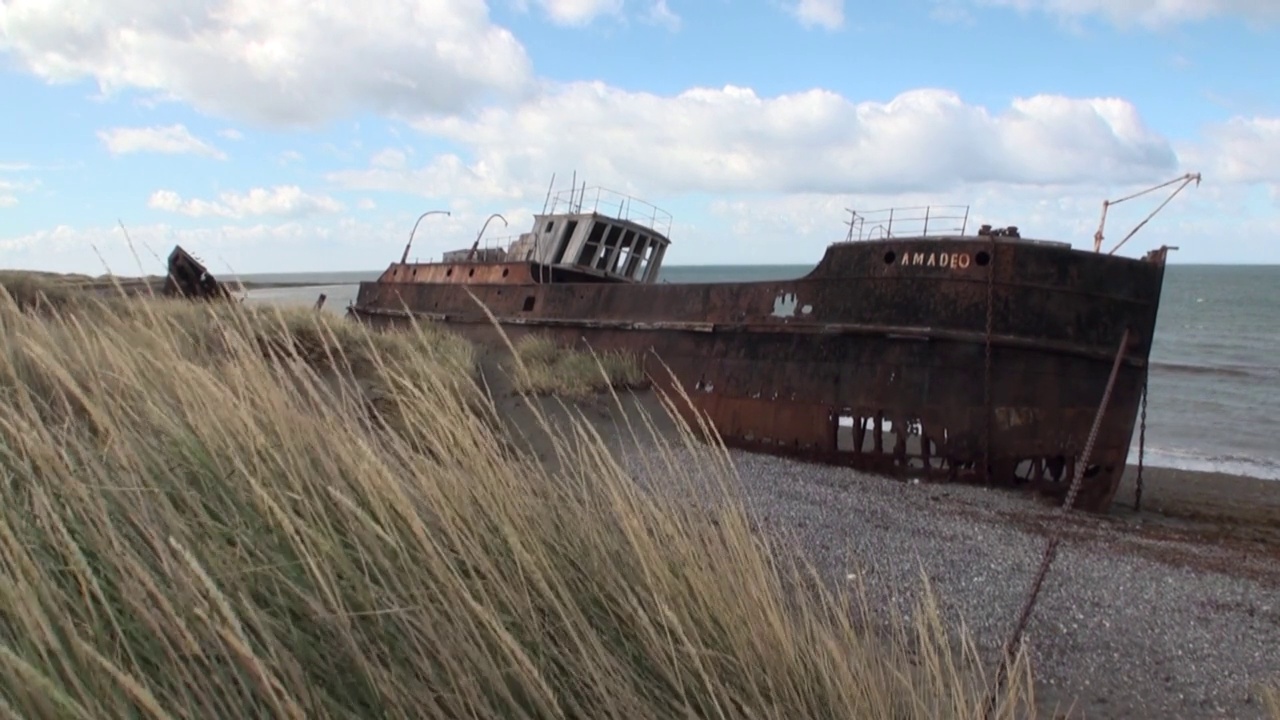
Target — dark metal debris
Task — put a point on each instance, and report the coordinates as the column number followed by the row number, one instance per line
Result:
column 189, row 278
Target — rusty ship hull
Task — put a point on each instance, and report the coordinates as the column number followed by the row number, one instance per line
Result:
column 960, row 358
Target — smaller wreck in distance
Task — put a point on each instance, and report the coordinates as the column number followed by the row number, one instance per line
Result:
column 188, row 277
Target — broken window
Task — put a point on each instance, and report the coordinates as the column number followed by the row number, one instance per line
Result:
column 592, row 245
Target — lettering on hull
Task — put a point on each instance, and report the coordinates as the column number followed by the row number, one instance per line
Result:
column 955, row 260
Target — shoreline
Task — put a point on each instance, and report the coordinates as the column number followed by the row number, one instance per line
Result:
column 1216, row 507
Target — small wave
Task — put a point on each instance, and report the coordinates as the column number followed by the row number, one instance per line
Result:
column 1263, row 468
column 1234, row 371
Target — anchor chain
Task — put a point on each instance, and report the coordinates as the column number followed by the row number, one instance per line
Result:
column 1051, row 550
column 986, row 381
column 1142, row 447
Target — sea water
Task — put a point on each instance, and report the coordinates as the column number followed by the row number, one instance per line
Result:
column 1214, row 388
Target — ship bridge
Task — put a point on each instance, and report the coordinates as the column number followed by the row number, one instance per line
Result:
column 598, row 233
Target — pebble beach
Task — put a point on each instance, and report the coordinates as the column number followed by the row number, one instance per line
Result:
column 1134, row 619
column 1171, row 612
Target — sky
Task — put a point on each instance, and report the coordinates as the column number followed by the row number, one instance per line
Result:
column 302, row 135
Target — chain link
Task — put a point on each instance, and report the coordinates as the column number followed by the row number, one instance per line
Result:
column 1142, row 446
column 1051, row 550
column 986, row 379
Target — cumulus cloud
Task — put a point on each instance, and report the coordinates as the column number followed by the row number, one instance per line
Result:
column 287, row 62
column 279, row 201
column 823, row 13
column 446, row 176
column 10, row 188
column 1149, row 13
column 579, row 12
column 169, row 140
column 96, row 250
column 731, row 139
column 390, row 158
column 328, row 243
column 757, row 225
column 7, row 198
column 1241, row 150
column 660, row 14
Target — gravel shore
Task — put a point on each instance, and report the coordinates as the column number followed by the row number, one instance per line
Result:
column 1134, row 619
column 1172, row 612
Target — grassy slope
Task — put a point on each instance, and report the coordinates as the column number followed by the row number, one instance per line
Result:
column 215, row 512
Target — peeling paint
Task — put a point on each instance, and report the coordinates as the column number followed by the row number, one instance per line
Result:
column 784, row 305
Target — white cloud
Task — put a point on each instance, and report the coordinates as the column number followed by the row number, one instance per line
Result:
column 280, row 201
column 743, row 228
column 230, row 134
column 70, row 249
column 1044, row 163
column 579, row 12
column 10, row 189
column 390, row 158
column 660, row 14
column 1241, row 150
column 287, row 62
column 334, row 243
column 288, row 157
column 1148, row 13
column 825, row 13
column 446, row 176
column 730, row 139
column 170, row 140
column 809, row 222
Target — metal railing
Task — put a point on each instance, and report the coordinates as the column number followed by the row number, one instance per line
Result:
column 484, row 249
column 613, row 204
column 919, row 221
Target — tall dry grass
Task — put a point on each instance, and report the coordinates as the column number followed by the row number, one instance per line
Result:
column 205, row 516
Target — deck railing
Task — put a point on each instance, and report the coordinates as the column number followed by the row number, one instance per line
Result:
column 919, row 221
column 613, row 204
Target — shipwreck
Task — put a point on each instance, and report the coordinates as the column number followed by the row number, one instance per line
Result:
column 187, row 277
column 914, row 347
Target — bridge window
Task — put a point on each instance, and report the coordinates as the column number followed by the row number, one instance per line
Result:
column 592, row 245
column 619, row 264
column 563, row 246
column 609, row 249
column 636, row 256
column 644, row 258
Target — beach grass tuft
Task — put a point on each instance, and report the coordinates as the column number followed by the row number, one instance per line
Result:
column 1271, row 700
